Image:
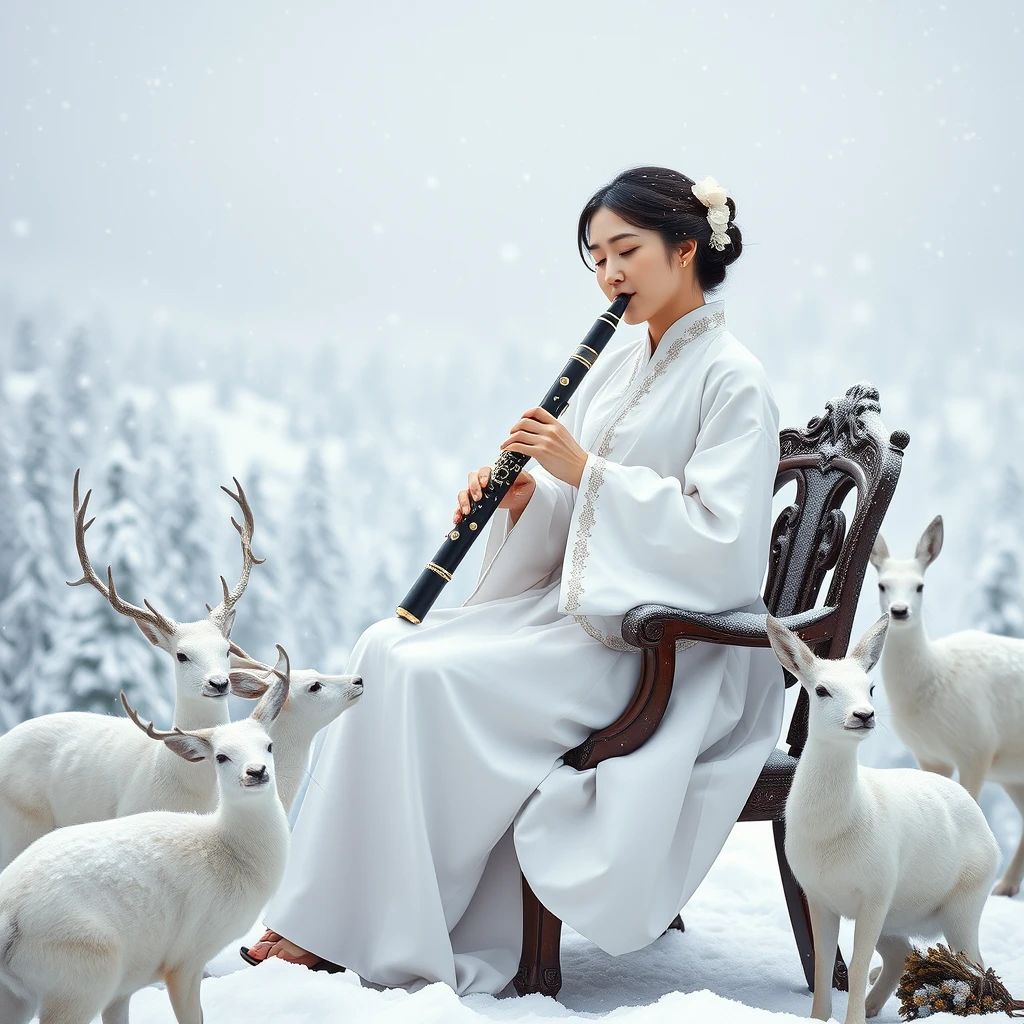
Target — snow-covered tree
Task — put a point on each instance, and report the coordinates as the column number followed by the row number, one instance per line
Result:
column 30, row 613
column 42, row 465
column 186, row 535
column 999, row 578
column 318, row 570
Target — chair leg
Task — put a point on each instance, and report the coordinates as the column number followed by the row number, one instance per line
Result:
column 800, row 919
column 540, row 969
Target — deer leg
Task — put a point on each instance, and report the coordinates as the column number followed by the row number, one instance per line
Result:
column 825, row 931
column 183, row 991
column 972, row 774
column 894, row 949
column 865, row 937
column 1009, row 884
column 117, row 1011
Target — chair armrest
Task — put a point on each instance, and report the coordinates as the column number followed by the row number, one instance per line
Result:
column 647, row 625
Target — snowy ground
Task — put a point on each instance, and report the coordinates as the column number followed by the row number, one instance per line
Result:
column 736, row 963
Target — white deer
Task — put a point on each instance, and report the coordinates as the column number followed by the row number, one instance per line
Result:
column 902, row 852
column 94, row 912
column 957, row 701
column 72, row 767
column 314, row 701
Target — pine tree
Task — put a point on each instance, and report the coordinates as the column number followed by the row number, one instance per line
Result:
column 999, row 577
column 42, row 464
column 317, row 566
column 30, row 613
column 185, row 530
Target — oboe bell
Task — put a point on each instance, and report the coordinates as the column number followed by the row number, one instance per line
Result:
column 507, row 467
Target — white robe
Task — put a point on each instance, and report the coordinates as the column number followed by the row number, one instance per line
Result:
column 447, row 777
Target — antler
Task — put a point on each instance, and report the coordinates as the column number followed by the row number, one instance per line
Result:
column 222, row 611
column 148, row 728
column 108, row 589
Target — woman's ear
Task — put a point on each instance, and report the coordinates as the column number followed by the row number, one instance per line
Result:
column 686, row 251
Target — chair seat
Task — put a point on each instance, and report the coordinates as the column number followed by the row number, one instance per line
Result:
column 767, row 800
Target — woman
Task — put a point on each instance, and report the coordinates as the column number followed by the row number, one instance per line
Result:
column 656, row 486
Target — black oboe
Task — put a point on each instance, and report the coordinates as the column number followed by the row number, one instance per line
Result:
column 508, row 466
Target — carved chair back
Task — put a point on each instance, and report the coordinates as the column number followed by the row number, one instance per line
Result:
column 846, row 448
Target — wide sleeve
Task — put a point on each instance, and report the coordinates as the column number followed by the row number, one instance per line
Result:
column 696, row 540
column 533, row 548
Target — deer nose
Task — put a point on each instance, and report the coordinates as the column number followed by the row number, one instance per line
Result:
column 257, row 771
column 866, row 715
column 218, row 683
column 899, row 611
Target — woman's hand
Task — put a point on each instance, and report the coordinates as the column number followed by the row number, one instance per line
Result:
column 540, row 435
column 517, row 497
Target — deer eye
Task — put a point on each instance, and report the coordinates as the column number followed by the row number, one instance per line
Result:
column 314, row 687
column 182, row 657
column 871, row 692
column 821, row 691
column 881, row 587
column 270, row 748
column 222, row 758
column 920, row 587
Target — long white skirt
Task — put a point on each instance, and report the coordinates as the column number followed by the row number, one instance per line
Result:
column 446, row 776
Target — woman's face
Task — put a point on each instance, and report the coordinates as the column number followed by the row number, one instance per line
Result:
column 633, row 260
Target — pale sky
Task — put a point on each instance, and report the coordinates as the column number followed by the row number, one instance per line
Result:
column 296, row 170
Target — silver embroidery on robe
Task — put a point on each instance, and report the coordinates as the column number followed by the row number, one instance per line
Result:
column 581, row 549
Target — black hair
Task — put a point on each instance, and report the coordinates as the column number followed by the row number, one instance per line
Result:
column 660, row 199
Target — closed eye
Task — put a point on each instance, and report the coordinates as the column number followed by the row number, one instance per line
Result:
column 871, row 692
column 628, row 252
column 821, row 691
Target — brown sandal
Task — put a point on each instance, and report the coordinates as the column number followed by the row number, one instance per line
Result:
column 309, row 960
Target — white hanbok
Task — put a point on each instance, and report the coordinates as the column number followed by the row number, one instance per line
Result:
column 446, row 778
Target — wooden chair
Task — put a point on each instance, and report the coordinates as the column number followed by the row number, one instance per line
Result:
column 845, row 448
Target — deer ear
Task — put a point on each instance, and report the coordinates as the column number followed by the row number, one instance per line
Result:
column 869, row 646
column 155, row 635
column 246, row 683
column 879, row 552
column 190, row 746
column 793, row 654
column 271, row 702
column 930, row 544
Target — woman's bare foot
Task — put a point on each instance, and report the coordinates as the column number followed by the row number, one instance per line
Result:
column 261, row 950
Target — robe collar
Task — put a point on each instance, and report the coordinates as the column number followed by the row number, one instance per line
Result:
column 711, row 314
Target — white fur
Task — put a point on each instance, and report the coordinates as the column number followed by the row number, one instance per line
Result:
column 957, row 702
column 902, row 852
column 73, row 767
column 93, row 912
column 314, row 701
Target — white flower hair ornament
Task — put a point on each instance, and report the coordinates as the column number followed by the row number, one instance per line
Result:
column 713, row 196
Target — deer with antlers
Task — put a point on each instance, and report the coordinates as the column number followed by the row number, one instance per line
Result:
column 94, row 912
column 73, row 767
